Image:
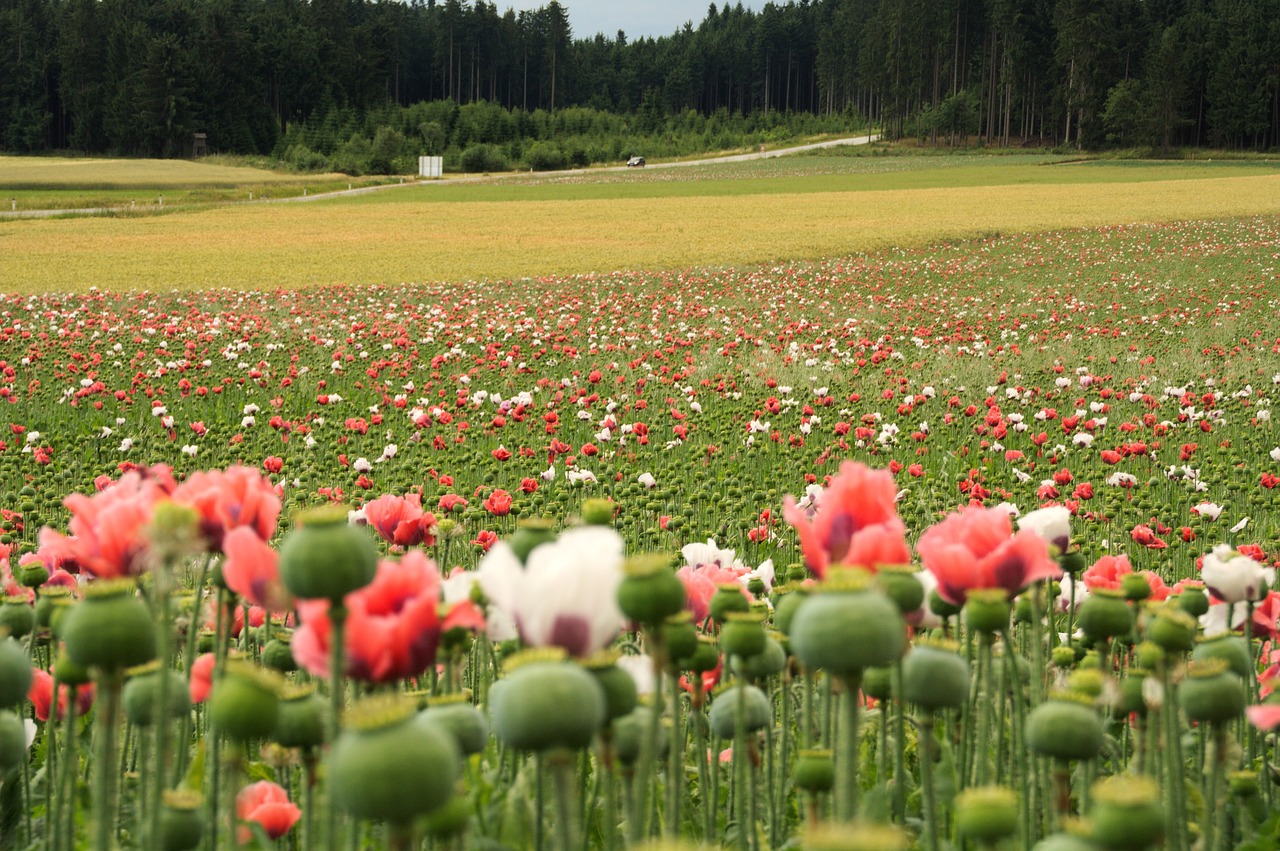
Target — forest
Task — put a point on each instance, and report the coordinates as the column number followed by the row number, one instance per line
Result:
column 139, row 77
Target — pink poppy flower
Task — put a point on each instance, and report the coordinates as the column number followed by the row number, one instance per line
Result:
column 109, row 537
column 41, row 696
column 229, row 499
column 392, row 629
column 268, row 805
column 976, row 548
column 401, row 520
column 251, row 570
column 856, row 523
column 201, row 679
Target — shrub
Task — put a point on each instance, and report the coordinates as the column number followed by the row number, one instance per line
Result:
column 483, row 157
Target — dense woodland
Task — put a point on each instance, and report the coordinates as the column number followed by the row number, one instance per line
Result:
column 266, row 76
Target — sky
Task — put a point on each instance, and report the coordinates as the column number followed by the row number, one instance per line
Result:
column 637, row 18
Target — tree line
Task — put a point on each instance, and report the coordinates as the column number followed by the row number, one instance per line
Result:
column 261, row 76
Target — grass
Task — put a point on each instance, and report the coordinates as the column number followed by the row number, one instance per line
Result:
column 712, row 216
column 67, row 183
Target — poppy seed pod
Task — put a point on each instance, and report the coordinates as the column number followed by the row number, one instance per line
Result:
column 902, row 586
column 1104, row 615
column 1126, row 813
column 987, row 610
column 383, row 753
column 628, row 734
column 756, row 711
column 245, row 702
column 142, row 695
column 618, row 686
column 300, row 721
column 466, row 723
column 1211, row 693
column 705, row 658
column 15, row 674
column 650, row 591
column 546, row 702
column 1064, row 728
column 769, row 661
column 1193, row 600
column 181, row 820
column 847, row 627
column 784, row 608
column 742, row 634
column 1232, row 649
column 17, row 616
column 935, row 676
column 986, row 814
column 13, row 740
column 1173, row 629
column 814, row 771
column 680, row 636
column 110, row 628
column 278, row 654
column 325, row 558
column 529, row 534
column 727, row 599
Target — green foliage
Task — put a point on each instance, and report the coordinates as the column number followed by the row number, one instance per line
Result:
column 483, row 157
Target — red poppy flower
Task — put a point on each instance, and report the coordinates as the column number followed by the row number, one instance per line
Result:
column 228, row 499
column 498, row 503
column 251, row 570
column 41, row 696
column 400, row 520
column 201, row 679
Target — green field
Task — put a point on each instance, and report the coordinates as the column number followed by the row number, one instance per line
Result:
column 528, row 226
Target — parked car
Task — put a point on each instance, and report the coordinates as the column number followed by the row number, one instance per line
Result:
column 635, row 161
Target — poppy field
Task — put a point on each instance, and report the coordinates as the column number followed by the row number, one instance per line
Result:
column 967, row 545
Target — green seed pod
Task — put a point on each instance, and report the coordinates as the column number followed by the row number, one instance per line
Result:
column 110, row 628
column 742, row 634
column 728, row 598
column 1088, row 682
column 617, row 685
column 1194, row 601
column 769, row 661
column 1232, row 649
column 987, row 610
column 68, row 672
column 629, row 732
column 466, row 723
column 300, row 722
column 15, row 674
column 1211, row 693
column 245, row 702
column 1134, row 587
column 1066, row 842
column 1063, row 657
column 986, row 814
column 17, row 616
column 814, row 771
column 855, row 836
column 1132, row 700
column 449, row 820
column 31, row 575
column 1104, row 615
column 877, row 683
column 940, row 607
column 142, row 695
column 181, row 820
column 705, row 658
column 935, row 676
column 757, row 712
column 13, row 741
column 325, row 558
column 680, row 636
column 1126, row 813
column 845, row 632
column 598, row 511
column 278, row 654
column 784, row 608
column 383, row 753
column 1064, row 728
column 531, row 533
column 52, row 603
column 650, row 591
column 546, row 702
column 899, row 583
column 1172, row 629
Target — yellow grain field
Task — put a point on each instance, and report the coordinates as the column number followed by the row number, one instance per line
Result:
column 297, row 245
column 57, row 172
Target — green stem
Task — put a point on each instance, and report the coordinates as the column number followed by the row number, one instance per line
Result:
column 849, row 758
column 108, row 721
column 1215, row 782
column 926, row 781
column 608, row 769
column 638, row 827
column 899, row 747
column 698, row 722
column 161, row 723
column 675, row 763
column 562, row 776
column 337, row 637
column 741, row 769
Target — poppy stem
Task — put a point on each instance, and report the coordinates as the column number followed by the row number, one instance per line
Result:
column 108, row 721
column 926, row 781
column 849, row 759
column 337, row 619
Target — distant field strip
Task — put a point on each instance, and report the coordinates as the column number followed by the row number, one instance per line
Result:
column 404, row 236
column 63, row 172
